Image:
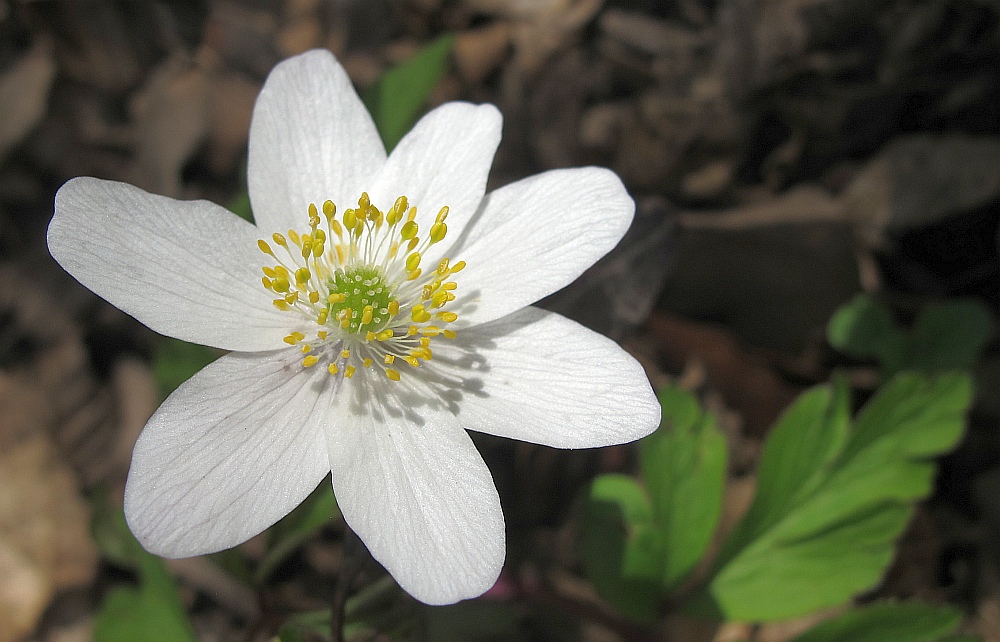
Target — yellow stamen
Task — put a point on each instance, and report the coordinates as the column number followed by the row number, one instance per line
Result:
column 310, row 361
column 392, row 374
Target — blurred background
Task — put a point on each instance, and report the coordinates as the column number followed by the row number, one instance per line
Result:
column 785, row 156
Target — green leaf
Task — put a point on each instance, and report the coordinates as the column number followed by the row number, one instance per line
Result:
column 622, row 549
column 684, row 466
column 111, row 534
column 397, row 97
column 177, row 361
column 240, row 205
column 151, row 611
column 296, row 527
column 823, row 522
column 865, row 328
column 907, row 622
column 949, row 335
column 945, row 336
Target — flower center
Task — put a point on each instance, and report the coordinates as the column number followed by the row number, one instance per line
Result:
column 358, row 279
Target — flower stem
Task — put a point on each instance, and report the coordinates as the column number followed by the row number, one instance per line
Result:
column 353, row 561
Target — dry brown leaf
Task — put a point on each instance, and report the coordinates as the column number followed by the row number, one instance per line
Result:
column 24, row 94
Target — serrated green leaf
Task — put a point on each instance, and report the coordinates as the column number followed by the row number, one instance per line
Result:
column 945, row 336
column 622, row 550
column 949, row 335
column 397, row 97
column 864, row 327
column 906, row 622
column 684, row 467
column 850, row 508
column 797, row 458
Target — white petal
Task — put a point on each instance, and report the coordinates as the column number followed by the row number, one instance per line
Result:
column 444, row 160
column 537, row 376
column 311, row 139
column 232, row 451
column 535, row 236
column 412, row 485
column 187, row 269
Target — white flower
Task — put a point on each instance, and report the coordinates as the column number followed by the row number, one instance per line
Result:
column 377, row 383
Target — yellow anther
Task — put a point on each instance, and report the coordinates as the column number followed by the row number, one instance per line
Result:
column 280, row 240
column 345, row 354
column 412, row 330
column 306, row 348
column 350, row 219
column 332, row 369
column 414, row 275
column 310, row 361
column 267, row 283
column 292, row 234
column 370, row 336
column 458, row 267
column 364, row 201
column 447, row 317
column 393, row 249
column 329, row 210
column 336, row 297
column 306, row 248
column 313, row 212
column 392, row 374
column 408, row 231
column 419, row 314
column 318, row 248
column 393, row 308
column 294, row 338
column 292, row 298
column 384, row 335
column 340, row 254
column 412, row 214
column 280, row 284
column 280, row 304
column 412, row 243
column 450, row 285
column 424, row 341
column 264, row 247
column 322, row 318
column 443, row 266
column 269, row 272
column 321, row 335
column 411, row 360
column 366, row 315
column 413, row 262
column 423, row 353
column 442, row 214
column 449, row 334
column 438, row 232
column 389, row 359
column 302, row 275
column 367, row 362
column 282, row 272
column 430, row 330
column 313, row 296
column 440, row 298
column 349, row 371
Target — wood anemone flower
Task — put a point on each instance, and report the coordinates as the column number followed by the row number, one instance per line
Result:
column 379, row 309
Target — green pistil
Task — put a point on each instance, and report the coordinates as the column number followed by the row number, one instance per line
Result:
column 362, row 287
